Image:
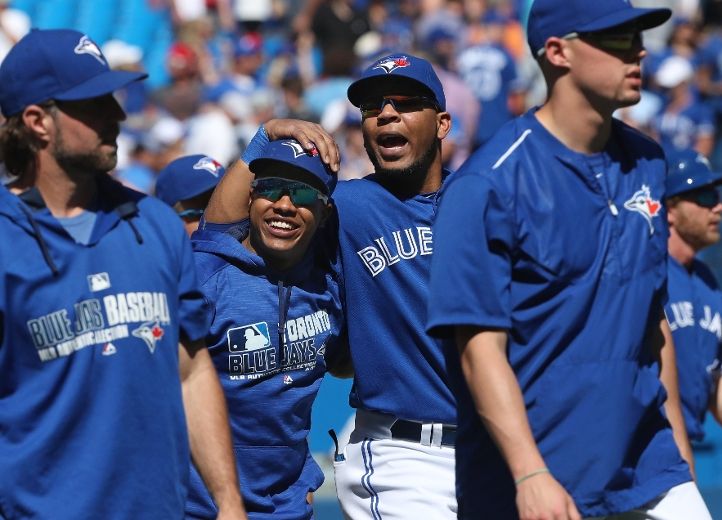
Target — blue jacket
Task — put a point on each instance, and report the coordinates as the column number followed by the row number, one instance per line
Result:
column 91, row 414
column 270, row 382
column 693, row 312
column 567, row 252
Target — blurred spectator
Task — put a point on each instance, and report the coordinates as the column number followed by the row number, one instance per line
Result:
column 490, row 71
column 150, row 152
column 182, row 98
column 14, row 24
column 337, row 24
column 684, row 122
column 333, row 83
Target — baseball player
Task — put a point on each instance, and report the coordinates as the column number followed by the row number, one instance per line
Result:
column 400, row 458
column 186, row 185
column 98, row 290
column 277, row 326
column 695, row 301
column 550, row 272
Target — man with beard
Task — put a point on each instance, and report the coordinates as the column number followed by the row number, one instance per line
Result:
column 400, row 458
column 694, row 308
column 98, row 290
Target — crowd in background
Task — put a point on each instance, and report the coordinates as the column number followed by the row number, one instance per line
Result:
column 234, row 64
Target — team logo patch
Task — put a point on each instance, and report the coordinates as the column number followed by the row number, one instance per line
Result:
column 249, row 337
column 99, row 282
column 150, row 332
column 643, row 203
column 209, row 165
column 109, row 349
column 299, row 151
column 391, row 64
column 87, row 46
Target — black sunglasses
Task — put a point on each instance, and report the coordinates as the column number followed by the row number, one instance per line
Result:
column 707, row 197
column 374, row 106
column 610, row 41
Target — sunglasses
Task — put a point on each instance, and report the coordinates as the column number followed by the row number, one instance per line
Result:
column 612, row 41
column 190, row 214
column 374, row 106
column 273, row 188
column 705, row 197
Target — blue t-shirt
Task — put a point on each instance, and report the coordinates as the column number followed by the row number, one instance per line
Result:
column 490, row 72
column 91, row 413
column 566, row 252
column 694, row 313
column 681, row 130
column 270, row 382
column 386, row 245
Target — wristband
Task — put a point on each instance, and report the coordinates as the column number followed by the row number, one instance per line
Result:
column 530, row 475
column 255, row 148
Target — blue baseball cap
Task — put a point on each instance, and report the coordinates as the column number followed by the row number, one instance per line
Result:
column 395, row 74
column 188, row 177
column 688, row 170
column 288, row 159
column 59, row 64
column 549, row 18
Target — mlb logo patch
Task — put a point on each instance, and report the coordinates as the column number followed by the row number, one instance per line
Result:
column 249, row 337
column 99, row 282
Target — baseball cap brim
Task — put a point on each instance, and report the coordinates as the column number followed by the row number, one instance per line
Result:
column 684, row 184
column 100, row 85
column 286, row 170
column 645, row 18
column 384, row 85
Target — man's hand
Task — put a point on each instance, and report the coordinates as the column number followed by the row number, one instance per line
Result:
column 541, row 497
column 307, row 134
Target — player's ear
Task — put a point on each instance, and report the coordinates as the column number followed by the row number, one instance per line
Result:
column 39, row 120
column 443, row 124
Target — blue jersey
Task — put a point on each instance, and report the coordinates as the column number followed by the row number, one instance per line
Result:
column 566, row 251
column 270, row 379
column 90, row 399
column 386, row 247
column 490, row 72
column 694, row 313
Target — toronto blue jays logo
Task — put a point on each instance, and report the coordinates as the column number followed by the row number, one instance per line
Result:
column 87, row 46
column 299, row 151
column 389, row 65
column 150, row 332
column 643, row 203
column 209, row 165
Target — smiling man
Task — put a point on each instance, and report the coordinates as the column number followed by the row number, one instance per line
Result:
column 277, row 329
